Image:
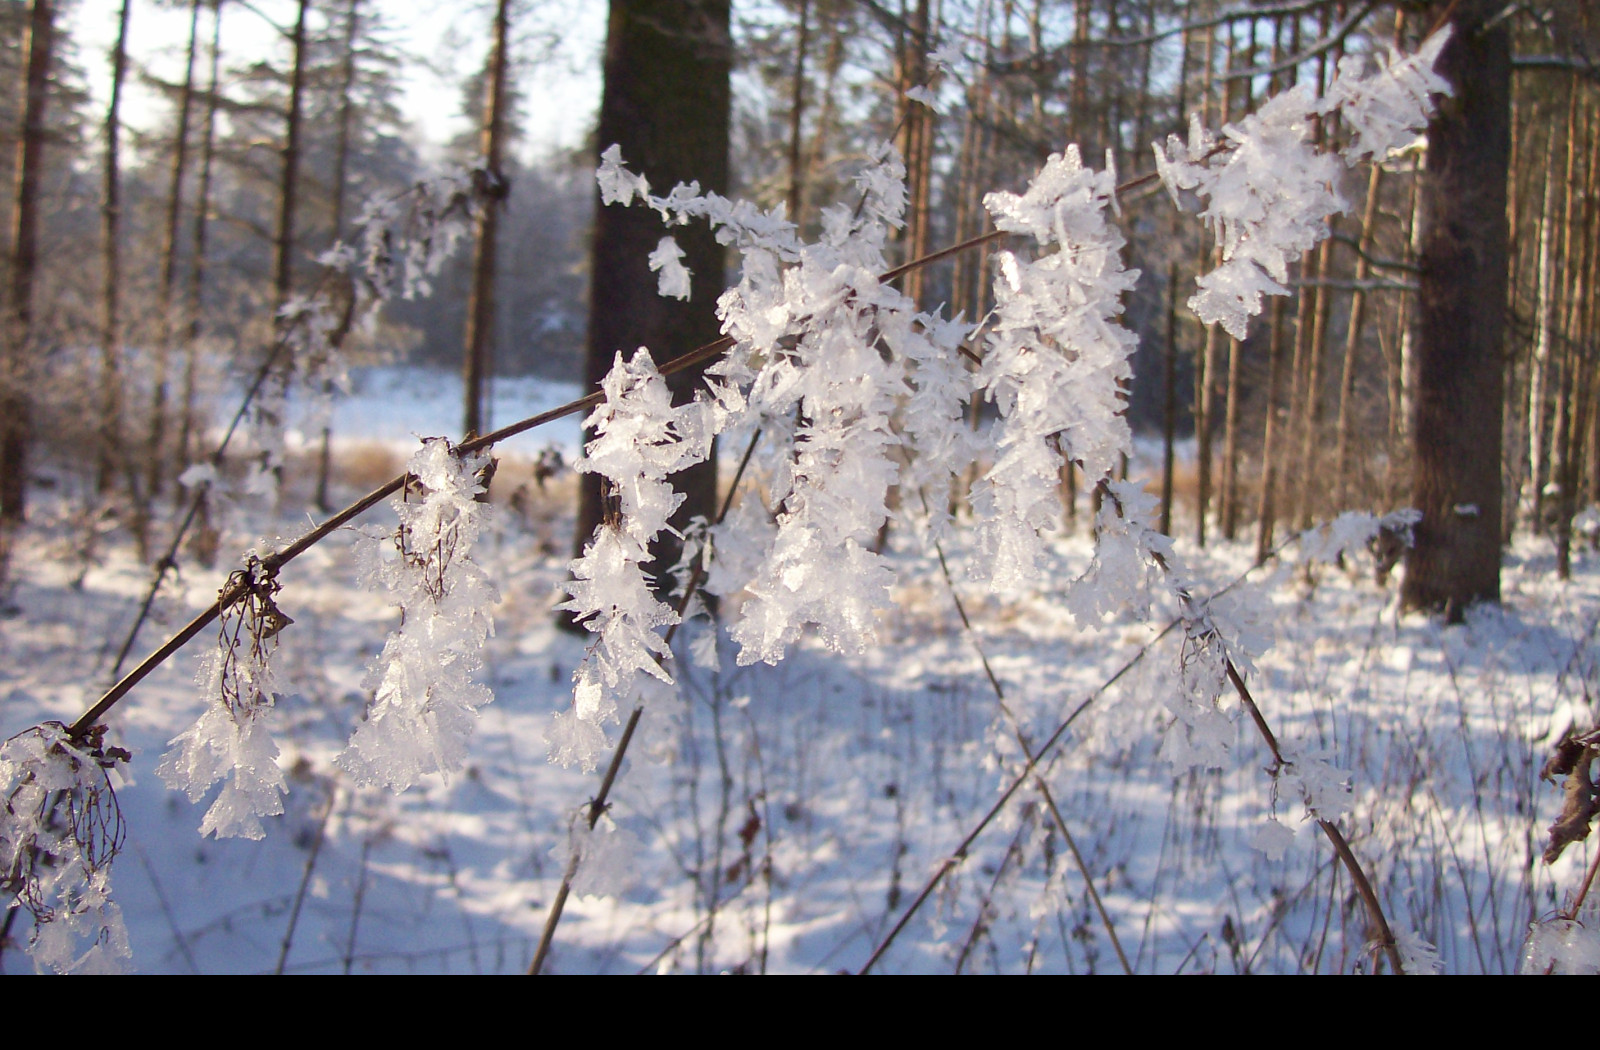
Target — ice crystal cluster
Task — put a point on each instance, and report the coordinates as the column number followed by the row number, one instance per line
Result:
column 424, row 699
column 1056, row 359
column 1267, row 187
column 231, row 741
column 59, row 829
column 640, row 439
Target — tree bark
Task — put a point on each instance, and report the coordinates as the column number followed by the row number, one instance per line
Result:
column 16, row 367
column 197, row 270
column 480, row 314
column 667, row 103
column 154, row 471
column 1461, row 317
column 111, row 288
column 341, row 174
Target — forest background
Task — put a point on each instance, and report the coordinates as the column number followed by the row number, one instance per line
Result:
column 193, row 229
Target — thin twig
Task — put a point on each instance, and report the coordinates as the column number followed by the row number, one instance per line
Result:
column 1027, row 751
column 1029, row 767
column 305, row 879
column 597, row 805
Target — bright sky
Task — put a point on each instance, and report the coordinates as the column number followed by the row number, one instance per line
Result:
column 558, row 45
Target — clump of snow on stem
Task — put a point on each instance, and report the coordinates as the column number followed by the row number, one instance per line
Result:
column 1057, row 359
column 404, row 240
column 60, row 827
column 230, row 740
column 1269, row 190
column 1560, row 945
column 424, row 700
column 640, row 439
column 848, row 381
column 1269, row 194
column 1384, row 111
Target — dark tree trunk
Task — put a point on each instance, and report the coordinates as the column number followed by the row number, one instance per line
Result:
column 666, row 103
column 480, row 314
column 15, row 366
column 154, row 470
column 111, row 288
column 1461, row 315
column 288, row 191
column 341, row 173
column 197, row 271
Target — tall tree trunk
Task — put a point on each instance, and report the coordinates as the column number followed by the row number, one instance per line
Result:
column 797, row 98
column 289, row 186
column 1461, row 317
column 1401, row 378
column 916, row 146
column 197, row 269
column 667, row 103
column 480, row 313
column 1311, row 477
column 1570, row 410
column 1342, row 469
column 16, row 369
column 1266, row 512
column 111, row 295
column 1540, row 364
column 1169, row 398
column 341, row 174
column 1230, row 441
column 154, row 450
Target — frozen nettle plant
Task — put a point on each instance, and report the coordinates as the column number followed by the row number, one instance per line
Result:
column 1268, row 186
column 854, row 392
column 60, row 827
column 424, row 699
column 640, row 440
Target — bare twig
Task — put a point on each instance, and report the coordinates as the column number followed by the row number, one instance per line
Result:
column 305, row 878
column 1027, row 751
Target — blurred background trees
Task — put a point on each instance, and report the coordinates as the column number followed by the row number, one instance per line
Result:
column 1313, row 413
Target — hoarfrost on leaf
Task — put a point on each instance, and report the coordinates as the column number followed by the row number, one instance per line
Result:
column 1417, row 956
column 1560, row 945
column 60, row 829
column 424, row 700
column 1384, row 111
column 924, row 96
column 640, row 439
column 618, row 185
column 1273, row 839
column 667, row 259
column 1057, row 360
column 230, row 740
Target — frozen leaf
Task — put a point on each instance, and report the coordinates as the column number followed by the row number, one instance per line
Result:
column 1273, row 839
column 1417, row 956
column 924, row 96
column 667, row 259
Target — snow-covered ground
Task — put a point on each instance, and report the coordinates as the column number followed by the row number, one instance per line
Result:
column 782, row 819
column 399, row 403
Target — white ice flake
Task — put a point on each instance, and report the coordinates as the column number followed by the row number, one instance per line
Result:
column 1268, row 191
column 667, row 259
column 1418, row 957
column 1384, row 111
column 924, row 96
column 618, row 185
column 1273, row 839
